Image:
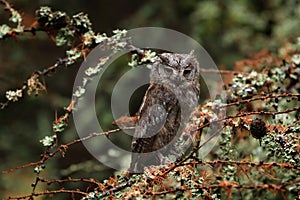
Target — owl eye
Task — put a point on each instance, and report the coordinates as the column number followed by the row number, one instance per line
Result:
column 168, row 71
column 187, row 72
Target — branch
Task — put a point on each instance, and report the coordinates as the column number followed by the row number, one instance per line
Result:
column 62, row 148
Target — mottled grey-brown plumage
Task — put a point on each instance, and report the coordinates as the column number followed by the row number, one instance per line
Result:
column 171, row 97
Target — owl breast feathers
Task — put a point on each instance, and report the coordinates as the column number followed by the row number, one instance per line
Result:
column 171, row 97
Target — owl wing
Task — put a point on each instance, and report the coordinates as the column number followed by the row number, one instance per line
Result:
column 154, row 127
column 152, row 117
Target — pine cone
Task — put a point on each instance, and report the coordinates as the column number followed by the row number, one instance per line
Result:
column 258, row 128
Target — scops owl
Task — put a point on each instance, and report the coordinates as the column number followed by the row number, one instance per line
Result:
column 172, row 95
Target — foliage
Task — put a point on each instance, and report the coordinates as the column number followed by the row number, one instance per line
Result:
column 265, row 95
column 229, row 30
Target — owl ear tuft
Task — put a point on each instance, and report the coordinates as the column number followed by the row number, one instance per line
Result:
column 191, row 54
column 188, row 57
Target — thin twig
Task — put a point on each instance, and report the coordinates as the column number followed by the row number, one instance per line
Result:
column 63, row 147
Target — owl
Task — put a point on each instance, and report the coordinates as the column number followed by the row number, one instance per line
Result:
column 172, row 95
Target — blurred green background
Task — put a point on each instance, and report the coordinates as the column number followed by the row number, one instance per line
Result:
column 229, row 30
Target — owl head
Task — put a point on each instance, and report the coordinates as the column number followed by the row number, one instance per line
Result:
column 176, row 67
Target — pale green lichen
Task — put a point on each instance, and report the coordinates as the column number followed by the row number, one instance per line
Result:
column 59, row 126
column 48, row 141
column 14, row 95
column 79, row 92
column 64, row 36
column 149, row 56
column 4, row 30
column 296, row 59
column 73, row 55
column 81, row 22
column 100, row 38
column 39, row 169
